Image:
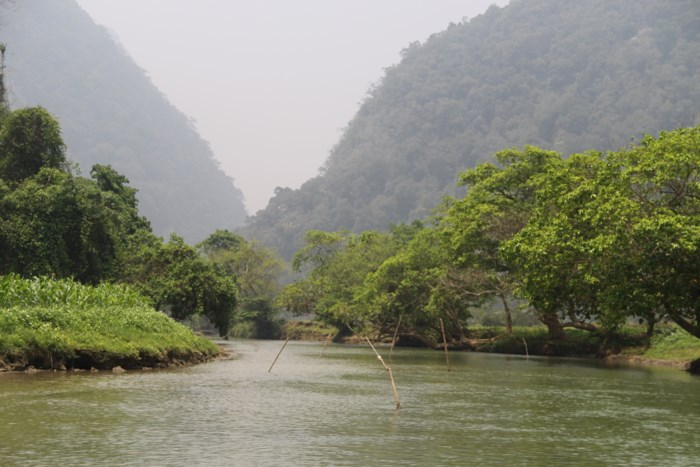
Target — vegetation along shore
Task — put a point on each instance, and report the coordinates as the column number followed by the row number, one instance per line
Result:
column 62, row 325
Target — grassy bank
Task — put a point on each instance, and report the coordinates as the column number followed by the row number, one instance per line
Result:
column 60, row 324
column 670, row 344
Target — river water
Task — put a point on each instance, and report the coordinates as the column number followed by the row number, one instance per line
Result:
column 339, row 409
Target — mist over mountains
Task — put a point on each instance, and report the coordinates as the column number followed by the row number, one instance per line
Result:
column 111, row 113
column 568, row 75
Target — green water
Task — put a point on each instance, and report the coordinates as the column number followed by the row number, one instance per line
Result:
column 339, row 410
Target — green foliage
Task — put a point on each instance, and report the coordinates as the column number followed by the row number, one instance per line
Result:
column 337, row 264
column 588, row 242
column 54, row 223
column 177, row 278
column 618, row 236
column 62, row 319
column 45, row 292
column 308, row 330
column 30, row 139
column 673, row 343
column 406, row 287
column 257, row 270
column 560, row 74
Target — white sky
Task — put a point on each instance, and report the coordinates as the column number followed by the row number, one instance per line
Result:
column 272, row 83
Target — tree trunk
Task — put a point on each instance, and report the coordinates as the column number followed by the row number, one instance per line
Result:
column 509, row 318
column 554, row 327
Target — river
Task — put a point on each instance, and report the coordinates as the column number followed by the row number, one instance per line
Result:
column 339, row 410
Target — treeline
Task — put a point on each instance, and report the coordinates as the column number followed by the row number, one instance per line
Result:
column 590, row 242
column 57, row 224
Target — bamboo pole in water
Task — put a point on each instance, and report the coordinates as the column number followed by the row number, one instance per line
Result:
column 444, row 343
column 391, row 374
column 278, row 355
column 393, row 340
column 527, row 354
column 328, row 339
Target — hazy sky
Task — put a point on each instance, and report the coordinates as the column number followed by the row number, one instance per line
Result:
column 272, row 83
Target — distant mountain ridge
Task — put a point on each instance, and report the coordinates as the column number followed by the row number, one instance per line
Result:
column 568, row 75
column 111, row 113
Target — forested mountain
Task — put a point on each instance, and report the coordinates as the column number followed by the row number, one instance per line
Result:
column 111, row 113
column 568, row 75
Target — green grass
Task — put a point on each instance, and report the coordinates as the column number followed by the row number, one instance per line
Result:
column 50, row 323
column 674, row 344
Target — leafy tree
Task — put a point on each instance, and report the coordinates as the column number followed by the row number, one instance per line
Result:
column 4, row 107
column 553, row 253
column 257, row 270
column 337, row 264
column 30, row 139
column 497, row 206
column 618, row 236
column 54, row 223
column 410, row 292
column 652, row 237
column 178, row 279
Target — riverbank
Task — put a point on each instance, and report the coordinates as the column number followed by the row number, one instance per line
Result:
column 62, row 325
column 101, row 338
column 670, row 346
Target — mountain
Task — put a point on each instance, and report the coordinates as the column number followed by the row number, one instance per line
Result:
column 568, row 75
column 111, row 113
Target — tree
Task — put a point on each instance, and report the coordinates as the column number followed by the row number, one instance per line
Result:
column 54, row 223
column 4, row 107
column 337, row 264
column 178, row 279
column 617, row 237
column 30, row 139
column 496, row 207
column 257, row 270
column 409, row 292
column 652, row 237
column 554, row 253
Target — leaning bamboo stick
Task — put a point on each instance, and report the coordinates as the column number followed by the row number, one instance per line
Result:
column 328, row 339
column 393, row 340
column 444, row 343
column 391, row 374
column 527, row 354
column 278, row 355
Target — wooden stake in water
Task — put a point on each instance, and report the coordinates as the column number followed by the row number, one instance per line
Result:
column 527, row 354
column 391, row 374
column 328, row 340
column 444, row 343
column 393, row 340
column 278, row 355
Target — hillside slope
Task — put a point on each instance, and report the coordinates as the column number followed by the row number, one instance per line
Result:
column 111, row 113
column 568, row 75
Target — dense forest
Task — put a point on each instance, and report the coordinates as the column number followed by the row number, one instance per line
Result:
column 111, row 113
column 565, row 75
